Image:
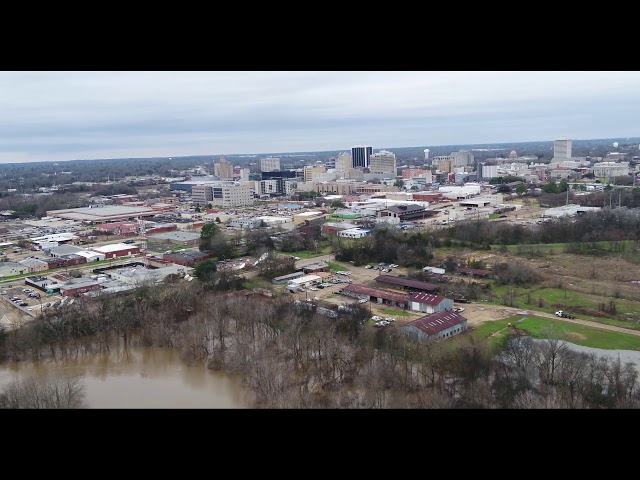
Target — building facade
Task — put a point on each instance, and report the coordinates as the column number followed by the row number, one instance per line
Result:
column 383, row 163
column 562, row 148
column 270, row 164
column 360, row 156
column 223, row 169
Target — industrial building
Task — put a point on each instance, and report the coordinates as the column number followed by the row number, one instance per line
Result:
column 429, row 303
column 300, row 218
column 305, row 281
column 374, row 294
column 117, row 250
column 182, row 238
column 255, row 222
column 187, row 257
column 138, row 274
column 568, row 211
column 315, row 267
column 78, row 287
column 411, row 285
column 354, row 233
column 103, row 214
column 436, row 325
column 286, row 278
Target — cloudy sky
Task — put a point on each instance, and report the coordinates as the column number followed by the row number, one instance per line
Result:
column 53, row 116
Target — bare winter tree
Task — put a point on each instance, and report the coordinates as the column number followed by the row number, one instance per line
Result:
column 55, row 392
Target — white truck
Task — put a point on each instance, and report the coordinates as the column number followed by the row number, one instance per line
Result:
column 439, row 271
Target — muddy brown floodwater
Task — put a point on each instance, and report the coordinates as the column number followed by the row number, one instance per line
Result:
column 140, row 377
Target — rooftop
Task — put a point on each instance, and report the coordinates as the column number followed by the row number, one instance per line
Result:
column 437, row 322
column 405, row 282
column 377, row 292
column 114, row 247
column 179, row 236
column 427, row 298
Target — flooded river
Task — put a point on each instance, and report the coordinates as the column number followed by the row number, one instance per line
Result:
column 140, row 377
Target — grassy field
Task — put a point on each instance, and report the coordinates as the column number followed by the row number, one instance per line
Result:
column 578, row 334
column 394, row 313
column 567, row 298
column 335, row 267
column 304, row 253
column 492, row 216
column 559, row 247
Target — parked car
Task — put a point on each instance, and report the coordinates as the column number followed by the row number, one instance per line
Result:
column 376, row 318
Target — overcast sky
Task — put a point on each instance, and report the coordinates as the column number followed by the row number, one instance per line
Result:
column 53, row 116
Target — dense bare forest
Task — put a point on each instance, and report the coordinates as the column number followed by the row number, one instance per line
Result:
column 295, row 358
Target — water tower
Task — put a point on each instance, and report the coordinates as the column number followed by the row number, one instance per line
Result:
column 426, row 154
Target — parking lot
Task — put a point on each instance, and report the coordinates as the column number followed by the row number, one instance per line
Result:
column 28, row 302
column 361, row 276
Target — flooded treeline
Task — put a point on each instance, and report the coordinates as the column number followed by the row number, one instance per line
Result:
column 294, row 358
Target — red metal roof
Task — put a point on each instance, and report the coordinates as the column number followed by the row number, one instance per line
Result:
column 427, row 298
column 429, row 287
column 377, row 292
column 436, row 322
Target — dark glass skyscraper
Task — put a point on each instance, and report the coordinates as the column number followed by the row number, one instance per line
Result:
column 360, row 156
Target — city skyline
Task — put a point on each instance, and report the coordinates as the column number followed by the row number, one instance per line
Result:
column 58, row 116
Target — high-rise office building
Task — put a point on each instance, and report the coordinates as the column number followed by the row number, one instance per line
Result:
column 223, row 169
column 462, row 158
column 343, row 162
column 360, row 156
column 383, row 162
column 310, row 171
column 270, row 164
column 562, row 148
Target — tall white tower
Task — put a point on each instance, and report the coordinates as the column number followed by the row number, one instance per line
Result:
column 426, row 154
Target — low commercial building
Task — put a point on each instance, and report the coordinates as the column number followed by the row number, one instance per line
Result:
column 117, row 250
column 138, row 275
column 180, row 238
column 306, row 281
column 287, row 278
column 315, row 267
column 300, row 218
column 437, row 325
column 79, row 287
column 103, row 214
column 355, row 233
column 256, row 222
column 8, row 269
column 429, row 303
column 63, row 250
column 34, row 265
column 187, row 257
column 91, row 256
column 53, row 240
column 568, row 211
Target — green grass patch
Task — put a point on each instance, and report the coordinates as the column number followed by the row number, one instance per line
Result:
column 494, row 215
column 303, row 253
column 578, row 334
column 614, row 246
column 335, row 267
column 394, row 313
column 567, row 299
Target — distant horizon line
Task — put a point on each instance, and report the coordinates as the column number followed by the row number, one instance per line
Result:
column 309, row 152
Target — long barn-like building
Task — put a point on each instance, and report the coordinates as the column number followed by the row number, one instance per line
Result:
column 407, row 284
